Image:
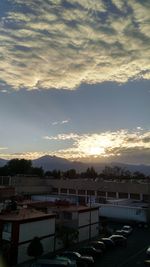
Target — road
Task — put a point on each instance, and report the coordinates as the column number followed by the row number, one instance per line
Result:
column 131, row 256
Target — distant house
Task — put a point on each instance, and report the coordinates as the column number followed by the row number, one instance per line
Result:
column 18, row 228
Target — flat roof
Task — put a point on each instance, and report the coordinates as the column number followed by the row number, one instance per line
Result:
column 60, row 207
column 25, row 214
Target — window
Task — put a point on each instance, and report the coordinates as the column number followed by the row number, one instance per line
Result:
column 72, row 191
column 63, row 190
column 90, row 192
column 123, row 195
column 81, row 192
column 7, row 227
column 111, row 194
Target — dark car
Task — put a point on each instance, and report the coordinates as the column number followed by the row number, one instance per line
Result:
column 80, row 260
column 89, row 250
column 119, row 240
column 98, row 245
column 108, row 242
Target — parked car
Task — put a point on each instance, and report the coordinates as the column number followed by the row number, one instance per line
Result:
column 128, row 229
column 58, row 262
column 121, row 232
column 98, row 245
column 108, row 242
column 119, row 240
column 148, row 251
column 89, row 250
column 147, row 263
column 80, row 260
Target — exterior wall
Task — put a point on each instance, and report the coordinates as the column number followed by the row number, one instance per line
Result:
column 94, row 230
column 123, row 212
column 88, row 224
column 22, row 249
column 32, row 189
column 44, row 229
column 84, row 233
column 84, row 218
column 94, row 216
column 6, row 192
column 38, row 228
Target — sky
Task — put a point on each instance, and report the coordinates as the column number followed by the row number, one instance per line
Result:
column 75, row 80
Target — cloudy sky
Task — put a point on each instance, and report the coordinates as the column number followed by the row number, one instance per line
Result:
column 75, row 79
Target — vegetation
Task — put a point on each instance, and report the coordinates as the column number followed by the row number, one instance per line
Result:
column 35, row 248
column 24, row 167
column 20, row 166
column 67, row 235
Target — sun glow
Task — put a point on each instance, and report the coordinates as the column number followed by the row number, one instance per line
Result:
column 94, row 150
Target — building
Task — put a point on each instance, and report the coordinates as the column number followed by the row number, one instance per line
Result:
column 6, row 192
column 101, row 190
column 83, row 188
column 84, row 219
column 19, row 227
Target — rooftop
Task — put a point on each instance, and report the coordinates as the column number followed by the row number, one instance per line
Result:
column 23, row 214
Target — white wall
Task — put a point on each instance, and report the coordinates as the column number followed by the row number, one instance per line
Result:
column 84, row 218
column 28, row 231
column 38, row 228
column 123, row 212
column 94, row 230
column 84, row 233
column 95, row 216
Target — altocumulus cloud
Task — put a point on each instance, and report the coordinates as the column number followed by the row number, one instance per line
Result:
column 61, row 44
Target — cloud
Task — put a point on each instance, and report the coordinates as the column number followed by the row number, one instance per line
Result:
column 104, row 145
column 122, row 145
column 61, row 44
column 60, row 122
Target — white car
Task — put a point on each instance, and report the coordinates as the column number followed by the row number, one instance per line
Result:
column 128, row 229
column 148, row 251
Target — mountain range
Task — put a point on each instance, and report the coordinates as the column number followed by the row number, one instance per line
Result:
column 49, row 163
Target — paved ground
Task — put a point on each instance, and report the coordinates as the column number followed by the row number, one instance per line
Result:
column 131, row 256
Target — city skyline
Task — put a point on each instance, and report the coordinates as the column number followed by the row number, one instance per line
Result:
column 75, row 80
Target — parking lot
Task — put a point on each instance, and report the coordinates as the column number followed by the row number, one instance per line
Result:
column 131, row 256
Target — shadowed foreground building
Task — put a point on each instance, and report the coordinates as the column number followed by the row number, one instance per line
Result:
column 18, row 228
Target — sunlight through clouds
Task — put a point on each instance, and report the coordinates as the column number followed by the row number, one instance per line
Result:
column 58, row 44
column 105, row 144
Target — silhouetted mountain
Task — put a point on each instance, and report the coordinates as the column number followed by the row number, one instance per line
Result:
column 52, row 162
column 3, row 162
column 49, row 163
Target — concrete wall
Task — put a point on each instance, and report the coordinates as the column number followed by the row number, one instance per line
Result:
column 44, row 229
column 123, row 212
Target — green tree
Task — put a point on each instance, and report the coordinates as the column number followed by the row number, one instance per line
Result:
column 35, row 248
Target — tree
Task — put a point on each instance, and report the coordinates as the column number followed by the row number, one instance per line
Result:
column 35, row 248
column 19, row 166
column 68, row 235
column 71, row 174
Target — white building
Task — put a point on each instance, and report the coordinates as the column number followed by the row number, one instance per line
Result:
column 18, row 228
